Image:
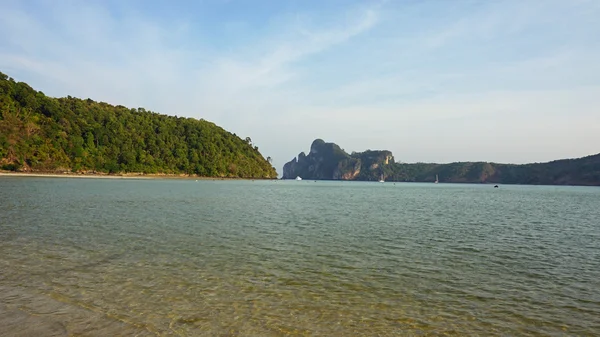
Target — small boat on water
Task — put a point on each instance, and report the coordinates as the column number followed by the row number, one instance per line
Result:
column 298, row 178
column 436, row 179
column 381, row 179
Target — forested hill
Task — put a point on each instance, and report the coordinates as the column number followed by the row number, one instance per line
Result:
column 44, row 134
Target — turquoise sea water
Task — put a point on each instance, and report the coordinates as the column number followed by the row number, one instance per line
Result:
column 98, row 257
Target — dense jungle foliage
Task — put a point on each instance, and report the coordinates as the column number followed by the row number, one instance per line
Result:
column 45, row 134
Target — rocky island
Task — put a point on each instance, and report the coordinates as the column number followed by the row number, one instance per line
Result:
column 327, row 161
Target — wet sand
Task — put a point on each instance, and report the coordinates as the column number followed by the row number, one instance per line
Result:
column 73, row 175
column 116, row 176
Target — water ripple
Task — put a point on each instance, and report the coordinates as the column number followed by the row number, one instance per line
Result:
column 171, row 257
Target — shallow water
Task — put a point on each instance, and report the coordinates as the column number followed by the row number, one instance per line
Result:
column 265, row 258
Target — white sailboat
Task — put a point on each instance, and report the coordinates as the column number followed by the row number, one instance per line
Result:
column 381, row 179
column 436, row 179
column 298, row 178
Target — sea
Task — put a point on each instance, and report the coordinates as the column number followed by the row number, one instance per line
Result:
column 180, row 257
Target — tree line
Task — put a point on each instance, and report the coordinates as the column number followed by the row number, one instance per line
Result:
column 41, row 133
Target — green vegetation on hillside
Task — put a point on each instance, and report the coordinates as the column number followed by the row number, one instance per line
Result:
column 41, row 133
column 581, row 171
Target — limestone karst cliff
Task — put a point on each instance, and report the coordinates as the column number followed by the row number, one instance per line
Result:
column 327, row 161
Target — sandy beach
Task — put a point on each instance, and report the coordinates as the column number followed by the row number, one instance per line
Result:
column 75, row 175
column 116, row 176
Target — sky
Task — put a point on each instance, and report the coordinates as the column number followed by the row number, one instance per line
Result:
column 510, row 81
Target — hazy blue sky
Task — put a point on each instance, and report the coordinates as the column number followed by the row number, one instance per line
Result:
column 435, row 81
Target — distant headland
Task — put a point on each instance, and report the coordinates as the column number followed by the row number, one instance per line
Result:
column 327, row 161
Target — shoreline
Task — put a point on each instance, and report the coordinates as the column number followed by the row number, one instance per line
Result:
column 69, row 175
column 116, row 176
